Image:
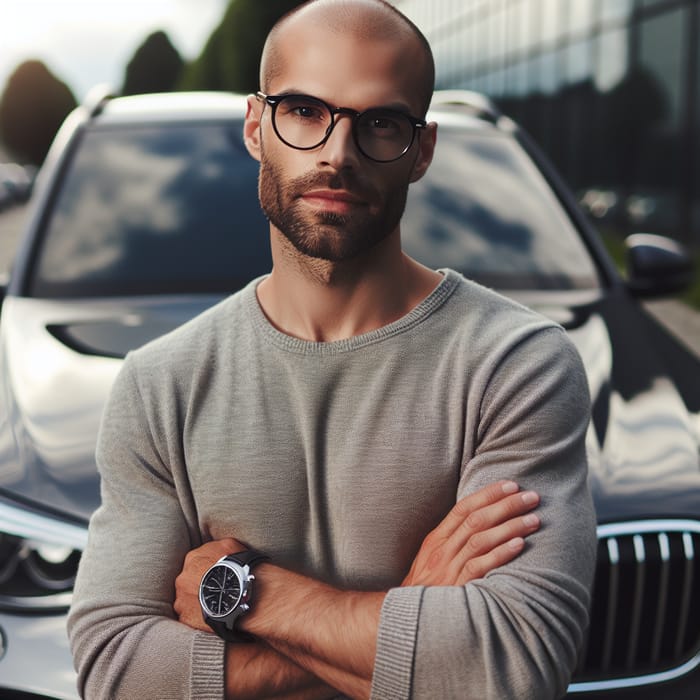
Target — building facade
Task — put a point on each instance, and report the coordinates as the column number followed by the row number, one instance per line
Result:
column 609, row 88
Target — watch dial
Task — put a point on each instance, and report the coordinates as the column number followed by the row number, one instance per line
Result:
column 221, row 590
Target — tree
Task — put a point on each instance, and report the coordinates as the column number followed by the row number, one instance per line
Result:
column 155, row 67
column 231, row 58
column 34, row 104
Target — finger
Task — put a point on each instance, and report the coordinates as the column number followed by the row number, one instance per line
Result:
column 478, row 567
column 200, row 559
column 490, row 516
column 496, row 513
column 485, row 541
column 479, row 499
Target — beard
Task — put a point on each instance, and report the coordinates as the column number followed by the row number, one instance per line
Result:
column 328, row 235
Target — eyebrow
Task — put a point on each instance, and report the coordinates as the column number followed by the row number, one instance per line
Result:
column 393, row 106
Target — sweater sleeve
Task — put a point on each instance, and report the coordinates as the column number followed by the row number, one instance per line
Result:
column 125, row 640
column 515, row 633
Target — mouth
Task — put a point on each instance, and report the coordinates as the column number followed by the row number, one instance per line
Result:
column 337, row 201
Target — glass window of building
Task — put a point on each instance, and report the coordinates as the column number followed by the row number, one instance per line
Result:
column 652, row 3
column 551, row 15
column 578, row 61
column 549, row 71
column 655, row 98
column 519, row 15
column 616, row 10
column 661, row 49
column 612, row 59
column 582, row 16
column 497, row 32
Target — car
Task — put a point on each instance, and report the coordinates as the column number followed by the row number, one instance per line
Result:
column 145, row 213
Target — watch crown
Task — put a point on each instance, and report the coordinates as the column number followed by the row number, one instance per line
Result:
column 251, row 577
column 244, row 608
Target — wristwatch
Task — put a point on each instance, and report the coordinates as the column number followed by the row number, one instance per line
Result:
column 226, row 591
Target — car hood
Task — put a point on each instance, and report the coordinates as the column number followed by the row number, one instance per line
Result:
column 643, row 442
column 59, row 359
column 57, row 363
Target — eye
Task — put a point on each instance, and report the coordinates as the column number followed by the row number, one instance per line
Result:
column 384, row 124
column 304, row 108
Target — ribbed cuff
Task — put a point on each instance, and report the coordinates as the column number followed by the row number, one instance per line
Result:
column 396, row 644
column 207, row 667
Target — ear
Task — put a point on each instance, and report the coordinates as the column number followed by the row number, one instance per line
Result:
column 426, row 148
column 251, row 126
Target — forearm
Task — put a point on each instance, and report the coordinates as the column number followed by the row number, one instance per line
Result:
column 257, row 671
column 330, row 633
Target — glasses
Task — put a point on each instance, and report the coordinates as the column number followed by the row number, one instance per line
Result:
column 304, row 122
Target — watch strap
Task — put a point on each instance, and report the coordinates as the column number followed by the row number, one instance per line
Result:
column 229, row 635
column 247, row 557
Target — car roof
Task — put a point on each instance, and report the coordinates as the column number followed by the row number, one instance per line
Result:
column 164, row 107
column 457, row 107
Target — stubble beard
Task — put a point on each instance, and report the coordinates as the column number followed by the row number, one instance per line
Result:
column 327, row 235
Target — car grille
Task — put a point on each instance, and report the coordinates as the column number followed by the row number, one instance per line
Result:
column 645, row 615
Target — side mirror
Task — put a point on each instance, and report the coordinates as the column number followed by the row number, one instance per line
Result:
column 656, row 265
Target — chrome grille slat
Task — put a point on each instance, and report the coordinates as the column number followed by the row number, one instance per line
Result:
column 687, row 590
column 645, row 620
column 633, row 640
column 613, row 591
column 665, row 553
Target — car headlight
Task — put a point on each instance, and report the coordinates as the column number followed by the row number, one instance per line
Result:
column 39, row 558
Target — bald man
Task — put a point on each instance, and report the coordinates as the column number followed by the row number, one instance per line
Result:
column 315, row 431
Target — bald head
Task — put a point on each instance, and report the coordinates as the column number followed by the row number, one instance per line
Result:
column 367, row 20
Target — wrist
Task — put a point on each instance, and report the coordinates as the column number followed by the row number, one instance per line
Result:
column 279, row 597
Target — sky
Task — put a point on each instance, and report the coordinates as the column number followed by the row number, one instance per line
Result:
column 87, row 42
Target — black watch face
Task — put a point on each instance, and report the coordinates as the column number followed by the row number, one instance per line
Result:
column 220, row 590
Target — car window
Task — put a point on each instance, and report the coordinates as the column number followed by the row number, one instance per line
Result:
column 162, row 209
column 174, row 209
column 485, row 210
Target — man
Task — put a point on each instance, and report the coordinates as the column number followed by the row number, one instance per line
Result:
column 329, row 416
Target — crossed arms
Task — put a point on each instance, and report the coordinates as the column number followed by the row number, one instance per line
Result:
column 316, row 640
column 511, row 633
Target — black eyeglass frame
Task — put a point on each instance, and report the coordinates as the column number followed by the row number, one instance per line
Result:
column 275, row 100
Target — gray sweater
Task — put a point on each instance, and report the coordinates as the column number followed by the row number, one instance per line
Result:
column 336, row 459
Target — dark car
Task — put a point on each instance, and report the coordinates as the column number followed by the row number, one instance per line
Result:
column 146, row 213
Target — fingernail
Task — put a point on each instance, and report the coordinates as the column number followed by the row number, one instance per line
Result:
column 509, row 487
column 530, row 498
column 531, row 520
column 516, row 543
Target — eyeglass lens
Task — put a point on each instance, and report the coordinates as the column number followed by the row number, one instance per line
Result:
column 304, row 122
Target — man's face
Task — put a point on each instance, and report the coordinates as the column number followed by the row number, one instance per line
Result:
column 331, row 215
column 333, row 202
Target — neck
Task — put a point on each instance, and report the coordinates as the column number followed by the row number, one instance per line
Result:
column 323, row 301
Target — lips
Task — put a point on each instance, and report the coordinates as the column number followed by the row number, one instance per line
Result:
column 332, row 200
column 333, row 195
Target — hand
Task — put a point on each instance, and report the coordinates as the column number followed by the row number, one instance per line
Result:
column 186, row 605
column 482, row 532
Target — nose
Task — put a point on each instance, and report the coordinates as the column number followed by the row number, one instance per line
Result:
column 339, row 150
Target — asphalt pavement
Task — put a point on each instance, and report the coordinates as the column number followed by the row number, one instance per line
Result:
column 681, row 320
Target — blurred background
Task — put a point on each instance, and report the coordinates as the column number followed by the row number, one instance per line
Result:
column 609, row 88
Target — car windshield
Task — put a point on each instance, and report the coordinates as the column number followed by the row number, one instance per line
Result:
column 484, row 209
column 155, row 209
column 174, row 209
